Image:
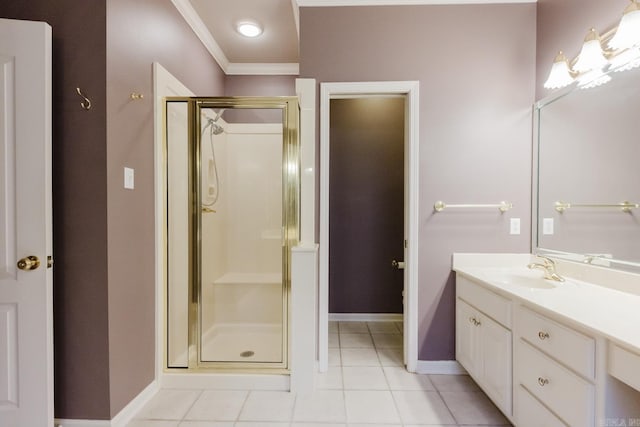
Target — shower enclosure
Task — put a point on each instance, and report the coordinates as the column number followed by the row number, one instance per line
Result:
column 232, row 210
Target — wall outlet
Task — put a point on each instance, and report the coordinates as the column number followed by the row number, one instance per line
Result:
column 129, row 178
column 514, row 226
column 547, row 226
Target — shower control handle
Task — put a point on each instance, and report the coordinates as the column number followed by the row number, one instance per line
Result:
column 398, row 264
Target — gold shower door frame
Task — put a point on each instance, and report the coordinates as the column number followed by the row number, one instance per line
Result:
column 290, row 223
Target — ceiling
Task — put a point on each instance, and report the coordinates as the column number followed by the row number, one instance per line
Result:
column 276, row 50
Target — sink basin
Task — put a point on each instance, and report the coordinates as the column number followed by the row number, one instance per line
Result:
column 531, row 279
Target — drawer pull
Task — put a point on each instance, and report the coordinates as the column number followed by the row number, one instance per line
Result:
column 543, row 335
column 542, row 381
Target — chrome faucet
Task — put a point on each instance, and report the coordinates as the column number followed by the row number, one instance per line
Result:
column 549, row 268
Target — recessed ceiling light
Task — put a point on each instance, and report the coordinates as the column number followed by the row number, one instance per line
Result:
column 249, row 28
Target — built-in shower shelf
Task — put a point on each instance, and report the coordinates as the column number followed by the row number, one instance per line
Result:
column 249, row 279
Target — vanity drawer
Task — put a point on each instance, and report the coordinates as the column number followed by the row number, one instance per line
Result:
column 624, row 365
column 531, row 413
column 490, row 303
column 570, row 347
column 562, row 391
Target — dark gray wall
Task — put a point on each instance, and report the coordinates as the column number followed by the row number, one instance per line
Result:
column 476, row 68
column 104, row 271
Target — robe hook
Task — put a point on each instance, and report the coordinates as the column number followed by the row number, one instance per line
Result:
column 86, row 104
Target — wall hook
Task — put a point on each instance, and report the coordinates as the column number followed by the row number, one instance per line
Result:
column 86, row 104
column 136, row 96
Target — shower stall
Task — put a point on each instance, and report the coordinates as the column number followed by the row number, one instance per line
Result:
column 232, row 214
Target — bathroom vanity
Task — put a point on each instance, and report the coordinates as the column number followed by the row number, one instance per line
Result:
column 550, row 353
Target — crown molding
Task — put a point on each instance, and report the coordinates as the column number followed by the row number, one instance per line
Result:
column 193, row 19
column 274, row 69
column 328, row 3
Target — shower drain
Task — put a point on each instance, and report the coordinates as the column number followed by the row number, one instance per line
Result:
column 247, row 353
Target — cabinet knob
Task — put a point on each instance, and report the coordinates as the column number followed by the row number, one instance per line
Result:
column 542, row 381
column 543, row 335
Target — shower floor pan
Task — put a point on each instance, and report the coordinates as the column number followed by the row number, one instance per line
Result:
column 243, row 343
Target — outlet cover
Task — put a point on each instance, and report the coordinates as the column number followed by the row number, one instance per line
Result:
column 129, row 178
column 514, row 226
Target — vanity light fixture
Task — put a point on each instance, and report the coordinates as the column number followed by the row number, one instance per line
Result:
column 628, row 32
column 249, row 28
column 590, row 68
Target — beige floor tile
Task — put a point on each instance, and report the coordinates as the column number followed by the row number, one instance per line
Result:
column 207, row 424
column 268, row 406
column 359, row 357
column 353, row 327
column 217, row 405
column 334, row 357
column 333, row 327
column 422, row 407
column 387, row 340
column 169, row 404
column 399, row 379
column 391, row 356
column 334, row 341
column 355, row 341
column 320, row 406
column 472, row 407
column 259, row 424
column 364, row 378
column 383, row 328
column 152, row 423
column 370, row 407
column 453, row 383
column 330, row 380
column 317, row 425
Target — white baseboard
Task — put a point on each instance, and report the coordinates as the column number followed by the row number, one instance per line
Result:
column 365, row 317
column 216, row 381
column 124, row 416
column 81, row 423
column 440, row 367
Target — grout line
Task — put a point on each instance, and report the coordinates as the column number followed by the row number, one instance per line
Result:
column 191, row 406
column 242, row 406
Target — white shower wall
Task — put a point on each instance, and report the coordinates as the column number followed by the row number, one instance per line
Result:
column 241, row 242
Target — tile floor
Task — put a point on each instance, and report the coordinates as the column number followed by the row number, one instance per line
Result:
column 366, row 386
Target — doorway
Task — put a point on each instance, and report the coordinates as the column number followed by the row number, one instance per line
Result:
column 335, row 96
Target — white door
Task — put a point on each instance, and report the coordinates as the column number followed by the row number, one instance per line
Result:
column 26, row 289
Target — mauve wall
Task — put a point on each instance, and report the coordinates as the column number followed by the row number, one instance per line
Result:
column 476, row 67
column 79, row 202
column 139, row 33
column 257, row 86
column 562, row 25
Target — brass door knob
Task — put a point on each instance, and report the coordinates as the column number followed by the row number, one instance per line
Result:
column 397, row 264
column 29, row 263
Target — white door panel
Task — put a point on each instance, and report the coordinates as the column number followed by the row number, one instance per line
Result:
column 26, row 295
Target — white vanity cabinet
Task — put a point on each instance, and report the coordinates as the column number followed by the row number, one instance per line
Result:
column 555, row 365
column 484, row 341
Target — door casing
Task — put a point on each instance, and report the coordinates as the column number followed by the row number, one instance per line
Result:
column 410, row 89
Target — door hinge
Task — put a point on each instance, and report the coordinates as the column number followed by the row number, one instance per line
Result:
column 405, row 243
column 49, row 261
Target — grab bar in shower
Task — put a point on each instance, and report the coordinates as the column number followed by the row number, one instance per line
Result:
column 561, row 206
column 503, row 206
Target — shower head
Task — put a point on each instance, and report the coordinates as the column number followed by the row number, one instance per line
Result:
column 216, row 129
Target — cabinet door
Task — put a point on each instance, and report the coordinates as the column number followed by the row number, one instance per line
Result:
column 495, row 348
column 467, row 337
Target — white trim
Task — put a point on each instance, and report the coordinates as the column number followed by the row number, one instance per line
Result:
column 198, row 26
column 230, row 68
column 440, row 367
column 271, row 69
column 411, row 90
column 365, row 317
column 296, row 16
column 61, row 422
column 128, row 412
column 306, row 91
column 322, row 3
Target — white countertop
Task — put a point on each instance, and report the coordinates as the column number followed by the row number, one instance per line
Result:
column 609, row 312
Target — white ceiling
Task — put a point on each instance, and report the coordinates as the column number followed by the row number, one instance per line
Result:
column 276, row 51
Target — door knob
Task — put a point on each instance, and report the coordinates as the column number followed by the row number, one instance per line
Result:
column 29, row 263
column 397, row 264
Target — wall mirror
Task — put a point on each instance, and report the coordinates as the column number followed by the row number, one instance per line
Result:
column 588, row 174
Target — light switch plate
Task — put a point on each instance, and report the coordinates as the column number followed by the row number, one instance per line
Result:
column 514, row 226
column 129, row 178
column 547, row 226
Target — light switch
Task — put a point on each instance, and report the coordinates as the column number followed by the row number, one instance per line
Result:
column 547, row 226
column 515, row 226
column 128, row 178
